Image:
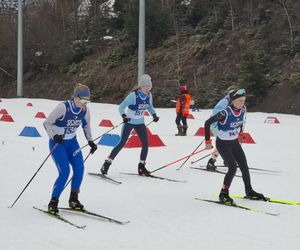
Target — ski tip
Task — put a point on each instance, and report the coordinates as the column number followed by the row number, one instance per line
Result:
column 123, row 222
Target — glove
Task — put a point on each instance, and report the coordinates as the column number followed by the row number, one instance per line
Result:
column 155, row 118
column 125, row 118
column 93, row 146
column 58, row 139
column 208, row 144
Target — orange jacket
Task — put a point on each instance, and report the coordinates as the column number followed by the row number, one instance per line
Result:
column 183, row 104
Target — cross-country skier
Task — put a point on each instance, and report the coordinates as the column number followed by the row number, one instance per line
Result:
column 61, row 126
column 132, row 110
column 222, row 104
column 230, row 123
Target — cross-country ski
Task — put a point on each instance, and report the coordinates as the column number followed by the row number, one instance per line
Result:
column 93, row 214
column 155, row 177
column 268, row 199
column 60, row 217
column 235, row 205
column 104, row 177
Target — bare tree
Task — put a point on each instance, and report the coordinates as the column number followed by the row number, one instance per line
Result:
column 231, row 15
column 283, row 2
column 250, row 7
column 178, row 51
column 215, row 11
column 63, row 18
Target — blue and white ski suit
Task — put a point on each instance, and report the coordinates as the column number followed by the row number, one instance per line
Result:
column 134, row 106
column 64, row 120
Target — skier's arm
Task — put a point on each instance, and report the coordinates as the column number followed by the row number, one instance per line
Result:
column 58, row 112
column 86, row 125
column 217, row 117
column 222, row 104
column 244, row 122
column 129, row 100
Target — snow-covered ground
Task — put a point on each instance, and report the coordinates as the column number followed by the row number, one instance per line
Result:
column 162, row 214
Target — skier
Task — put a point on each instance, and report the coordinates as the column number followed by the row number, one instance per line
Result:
column 61, row 126
column 132, row 110
column 230, row 123
column 182, row 110
column 222, row 104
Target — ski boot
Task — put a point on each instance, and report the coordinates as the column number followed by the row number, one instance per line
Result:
column 211, row 164
column 180, row 130
column 74, row 203
column 105, row 167
column 184, row 129
column 142, row 170
column 252, row 195
column 224, row 197
column 53, row 206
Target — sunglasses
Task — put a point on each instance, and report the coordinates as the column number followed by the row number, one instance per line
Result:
column 84, row 100
column 240, row 92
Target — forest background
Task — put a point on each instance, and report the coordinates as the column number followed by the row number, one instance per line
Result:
column 207, row 44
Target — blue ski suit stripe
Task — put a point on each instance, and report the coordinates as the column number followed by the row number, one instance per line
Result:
column 67, row 153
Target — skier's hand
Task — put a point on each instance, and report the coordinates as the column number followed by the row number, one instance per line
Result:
column 155, row 118
column 93, row 147
column 208, row 144
column 58, row 139
column 125, row 118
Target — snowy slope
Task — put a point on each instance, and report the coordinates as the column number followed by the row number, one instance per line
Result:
column 162, row 214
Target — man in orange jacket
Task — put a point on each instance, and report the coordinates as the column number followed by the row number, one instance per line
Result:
column 182, row 110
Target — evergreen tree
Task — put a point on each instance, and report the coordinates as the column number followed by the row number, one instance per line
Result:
column 157, row 22
column 253, row 70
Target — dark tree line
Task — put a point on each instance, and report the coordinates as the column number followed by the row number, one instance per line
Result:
column 60, row 33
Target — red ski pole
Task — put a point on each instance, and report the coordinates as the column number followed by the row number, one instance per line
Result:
column 169, row 164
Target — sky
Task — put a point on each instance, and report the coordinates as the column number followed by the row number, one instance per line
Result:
column 162, row 214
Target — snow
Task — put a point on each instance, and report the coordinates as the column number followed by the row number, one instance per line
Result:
column 162, row 214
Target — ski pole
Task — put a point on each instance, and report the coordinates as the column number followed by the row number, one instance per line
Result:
column 54, row 147
column 72, row 176
column 134, row 132
column 197, row 152
column 104, row 133
column 190, row 156
column 192, row 162
column 149, row 123
column 90, row 152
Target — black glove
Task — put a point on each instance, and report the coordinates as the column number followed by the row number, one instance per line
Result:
column 58, row 139
column 93, row 147
column 155, row 118
column 125, row 118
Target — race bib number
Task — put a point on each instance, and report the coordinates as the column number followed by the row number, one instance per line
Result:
column 234, row 132
column 70, row 130
column 139, row 112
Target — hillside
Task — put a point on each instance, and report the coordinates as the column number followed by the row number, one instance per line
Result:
column 204, row 75
column 260, row 52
